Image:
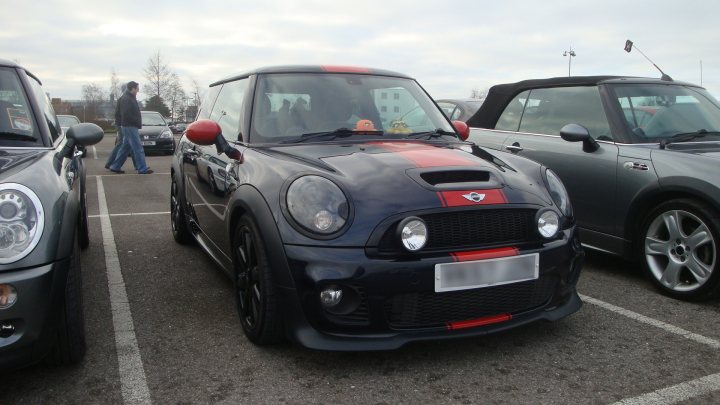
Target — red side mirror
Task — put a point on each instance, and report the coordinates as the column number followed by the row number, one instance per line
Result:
column 462, row 129
column 203, row 132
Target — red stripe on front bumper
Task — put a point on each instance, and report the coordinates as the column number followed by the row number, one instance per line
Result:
column 473, row 323
column 485, row 254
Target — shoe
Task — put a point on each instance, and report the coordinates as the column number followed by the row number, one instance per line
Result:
column 107, row 167
column 148, row 171
column 117, row 171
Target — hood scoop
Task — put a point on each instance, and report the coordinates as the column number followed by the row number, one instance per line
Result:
column 455, row 179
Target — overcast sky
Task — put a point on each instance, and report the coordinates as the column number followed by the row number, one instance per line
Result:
column 450, row 47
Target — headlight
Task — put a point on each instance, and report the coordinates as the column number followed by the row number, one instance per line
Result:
column 413, row 233
column 21, row 222
column 548, row 223
column 558, row 193
column 317, row 204
column 166, row 134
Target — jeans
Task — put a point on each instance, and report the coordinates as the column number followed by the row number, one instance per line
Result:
column 131, row 142
column 116, row 148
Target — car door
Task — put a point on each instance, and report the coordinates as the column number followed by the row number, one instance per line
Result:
column 590, row 177
column 213, row 195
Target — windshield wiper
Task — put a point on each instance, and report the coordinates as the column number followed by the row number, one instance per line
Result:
column 431, row 134
column 687, row 136
column 16, row 136
column 338, row 133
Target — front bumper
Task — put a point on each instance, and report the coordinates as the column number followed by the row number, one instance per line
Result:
column 35, row 315
column 398, row 304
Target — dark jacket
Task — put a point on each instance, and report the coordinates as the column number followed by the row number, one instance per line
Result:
column 129, row 111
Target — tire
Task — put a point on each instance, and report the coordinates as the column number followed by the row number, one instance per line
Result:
column 69, row 345
column 211, row 181
column 178, row 222
column 84, row 227
column 682, row 261
column 256, row 296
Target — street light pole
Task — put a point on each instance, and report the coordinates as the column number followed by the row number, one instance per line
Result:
column 570, row 54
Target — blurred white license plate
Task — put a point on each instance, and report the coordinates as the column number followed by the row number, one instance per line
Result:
column 486, row 273
column 148, row 143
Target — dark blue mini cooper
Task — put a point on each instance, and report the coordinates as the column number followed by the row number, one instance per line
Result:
column 346, row 223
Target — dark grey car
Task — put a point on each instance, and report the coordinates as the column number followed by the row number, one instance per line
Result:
column 155, row 133
column 43, row 224
column 643, row 176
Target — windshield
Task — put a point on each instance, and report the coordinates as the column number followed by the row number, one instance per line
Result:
column 17, row 127
column 655, row 112
column 152, row 119
column 288, row 106
column 67, row 121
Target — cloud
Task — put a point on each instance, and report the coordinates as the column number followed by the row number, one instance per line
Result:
column 450, row 47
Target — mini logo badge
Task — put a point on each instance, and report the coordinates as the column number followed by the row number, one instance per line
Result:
column 474, row 197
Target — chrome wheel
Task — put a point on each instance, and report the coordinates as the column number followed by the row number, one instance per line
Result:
column 174, row 207
column 680, row 250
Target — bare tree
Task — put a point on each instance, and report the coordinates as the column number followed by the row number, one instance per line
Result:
column 477, row 93
column 175, row 96
column 93, row 95
column 197, row 93
column 115, row 87
column 158, row 75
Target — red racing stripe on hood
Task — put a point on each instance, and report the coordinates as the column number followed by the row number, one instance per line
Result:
column 427, row 156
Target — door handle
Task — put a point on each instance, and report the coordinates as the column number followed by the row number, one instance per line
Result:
column 514, row 148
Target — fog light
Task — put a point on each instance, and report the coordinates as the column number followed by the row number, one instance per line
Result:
column 331, row 296
column 548, row 224
column 413, row 233
column 8, row 296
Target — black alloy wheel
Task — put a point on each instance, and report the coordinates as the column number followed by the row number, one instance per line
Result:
column 180, row 230
column 211, row 181
column 255, row 294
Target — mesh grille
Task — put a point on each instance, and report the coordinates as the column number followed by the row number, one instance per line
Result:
column 428, row 309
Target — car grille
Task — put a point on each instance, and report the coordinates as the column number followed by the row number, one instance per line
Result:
column 467, row 229
column 431, row 309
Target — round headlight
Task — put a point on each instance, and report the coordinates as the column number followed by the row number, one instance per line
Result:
column 317, row 204
column 558, row 193
column 548, row 224
column 21, row 222
column 413, row 233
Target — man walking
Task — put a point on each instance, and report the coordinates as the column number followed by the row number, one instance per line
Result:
column 131, row 122
column 119, row 138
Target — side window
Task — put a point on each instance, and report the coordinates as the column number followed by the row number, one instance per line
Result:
column 47, row 109
column 447, row 108
column 207, row 104
column 557, row 107
column 228, row 108
column 510, row 118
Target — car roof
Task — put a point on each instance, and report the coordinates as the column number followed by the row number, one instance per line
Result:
column 502, row 94
column 12, row 64
column 312, row 69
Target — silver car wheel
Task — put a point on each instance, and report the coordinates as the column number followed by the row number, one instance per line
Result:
column 680, row 250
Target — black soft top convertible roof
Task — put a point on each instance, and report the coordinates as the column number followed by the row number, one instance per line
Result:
column 500, row 95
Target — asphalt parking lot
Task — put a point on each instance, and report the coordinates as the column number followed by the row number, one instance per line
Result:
column 183, row 342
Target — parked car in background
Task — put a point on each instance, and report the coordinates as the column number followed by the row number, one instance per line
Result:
column 177, row 127
column 639, row 159
column 43, row 225
column 66, row 121
column 155, row 134
column 459, row 109
column 344, row 227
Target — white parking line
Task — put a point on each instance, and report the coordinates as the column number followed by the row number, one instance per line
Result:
column 677, row 393
column 653, row 322
column 129, row 214
column 132, row 374
column 127, row 174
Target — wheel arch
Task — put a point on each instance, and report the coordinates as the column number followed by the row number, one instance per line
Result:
column 669, row 189
column 251, row 202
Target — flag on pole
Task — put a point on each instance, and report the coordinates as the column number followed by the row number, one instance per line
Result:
column 628, row 46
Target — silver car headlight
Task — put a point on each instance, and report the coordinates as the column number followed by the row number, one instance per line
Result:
column 166, row 134
column 558, row 193
column 21, row 222
column 317, row 204
column 548, row 223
